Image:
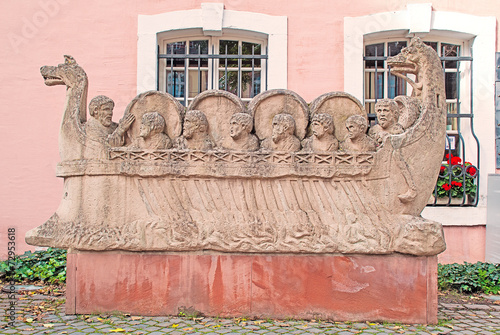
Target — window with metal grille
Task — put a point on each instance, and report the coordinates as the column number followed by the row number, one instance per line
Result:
column 458, row 181
column 189, row 66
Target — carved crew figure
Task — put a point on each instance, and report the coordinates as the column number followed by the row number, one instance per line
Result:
column 387, row 115
column 151, row 135
column 357, row 140
column 283, row 135
column 241, row 125
column 195, row 132
column 100, row 126
column 322, row 138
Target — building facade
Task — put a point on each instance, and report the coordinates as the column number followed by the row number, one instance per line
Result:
column 245, row 47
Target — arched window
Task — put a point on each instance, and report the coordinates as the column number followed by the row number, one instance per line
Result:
column 197, row 39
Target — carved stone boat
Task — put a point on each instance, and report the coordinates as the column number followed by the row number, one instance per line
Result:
column 266, row 201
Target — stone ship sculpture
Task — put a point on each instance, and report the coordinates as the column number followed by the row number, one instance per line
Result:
column 276, row 176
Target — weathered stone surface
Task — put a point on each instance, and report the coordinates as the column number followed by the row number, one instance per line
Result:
column 219, row 107
column 397, row 288
column 340, row 106
column 322, row 138
column 211, row 193
column 270, row 103
column 152, row 101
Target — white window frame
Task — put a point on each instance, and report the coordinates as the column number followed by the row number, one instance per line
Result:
column 464, row 69
column 213, row 19
column 421, row 20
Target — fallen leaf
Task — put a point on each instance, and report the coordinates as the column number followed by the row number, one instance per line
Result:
column 175, row 325
column 29, row 320
column 136, row 318
column 117, row 330
column 63, row 332
column 48, row 325
column 258, row 322
column 186, row 329
column 27, row 329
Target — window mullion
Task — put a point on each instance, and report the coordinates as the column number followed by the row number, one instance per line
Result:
column 240, row 51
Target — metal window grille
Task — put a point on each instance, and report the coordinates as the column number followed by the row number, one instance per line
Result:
column 240, row 73
column 458, row 180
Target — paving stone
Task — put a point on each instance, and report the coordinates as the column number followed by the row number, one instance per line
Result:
column 472, row 306
column 465, row 320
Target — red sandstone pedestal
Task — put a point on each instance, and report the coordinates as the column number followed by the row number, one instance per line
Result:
column 396, row 288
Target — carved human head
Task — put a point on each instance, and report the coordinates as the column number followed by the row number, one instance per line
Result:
column 101, row 108
column 151, row 123
column 387, row 112
column 283, row 126
column 240, row 124
column 322, row 124
column 356, row 126
column 194, row 122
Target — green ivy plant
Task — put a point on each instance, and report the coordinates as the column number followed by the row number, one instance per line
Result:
column 470, row 278
column 48, row 266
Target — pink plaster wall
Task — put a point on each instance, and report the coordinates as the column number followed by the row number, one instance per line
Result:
column 463, row 244
column 102, row 36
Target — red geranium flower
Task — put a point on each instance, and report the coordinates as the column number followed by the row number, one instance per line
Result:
column 456, row 183
column 455, row 160
column 471, row 171
column 443, row 168
column 446, row 187
column 448, row 155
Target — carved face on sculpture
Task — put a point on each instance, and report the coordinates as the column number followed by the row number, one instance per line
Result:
column 356, row 126
column 387, row 112
column 322, row 124
column 101, row 108
column 240, row 125
column 195, row 122
column 151, row 123
column 283, row 127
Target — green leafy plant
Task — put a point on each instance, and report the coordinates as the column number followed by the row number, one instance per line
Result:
column 455, row 178
column 48, row 266
column 470, row 278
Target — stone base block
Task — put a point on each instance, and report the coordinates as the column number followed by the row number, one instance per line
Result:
column 395, row 288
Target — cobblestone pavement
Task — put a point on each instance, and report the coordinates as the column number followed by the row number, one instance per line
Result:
column 39, row 314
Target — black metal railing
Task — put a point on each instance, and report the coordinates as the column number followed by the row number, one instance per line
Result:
column 229, row 67
column 458, row 180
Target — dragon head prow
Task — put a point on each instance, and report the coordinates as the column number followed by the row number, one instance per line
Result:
column 408, row 60
column 68, row 73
